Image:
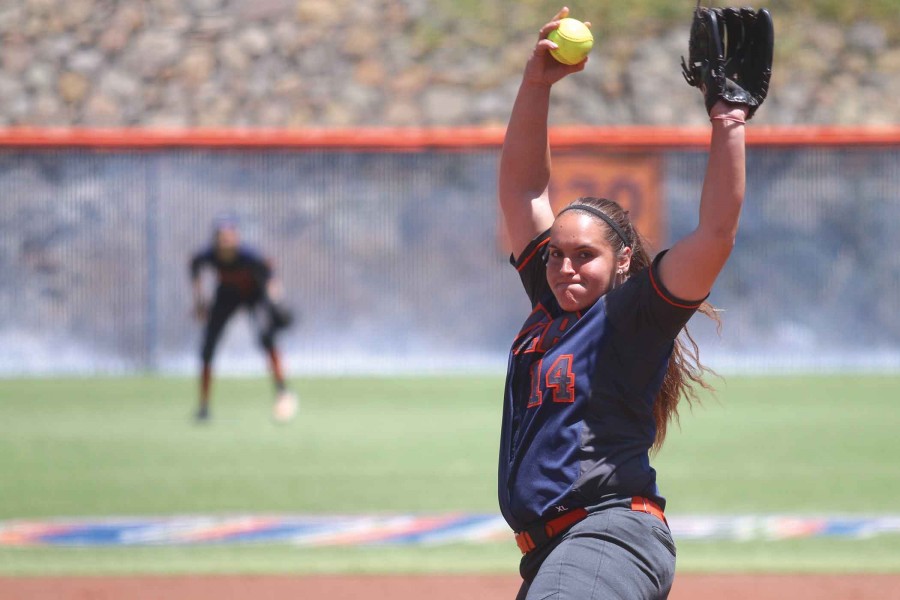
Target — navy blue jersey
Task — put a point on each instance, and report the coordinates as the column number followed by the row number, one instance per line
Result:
column 578, row 408
column 244, row 277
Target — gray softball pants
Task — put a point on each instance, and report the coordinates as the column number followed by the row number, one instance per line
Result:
column 612, row 554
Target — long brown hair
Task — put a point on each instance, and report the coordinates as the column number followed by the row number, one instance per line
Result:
column 685, row 373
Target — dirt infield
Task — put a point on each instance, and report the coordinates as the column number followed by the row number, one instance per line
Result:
column 434, row 587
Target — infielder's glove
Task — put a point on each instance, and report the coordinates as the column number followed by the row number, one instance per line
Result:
column 282, row 316
column 730, row 55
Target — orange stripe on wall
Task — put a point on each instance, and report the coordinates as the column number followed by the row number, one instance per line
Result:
column 447, row 138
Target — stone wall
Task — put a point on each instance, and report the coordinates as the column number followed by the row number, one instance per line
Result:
column 339, row 63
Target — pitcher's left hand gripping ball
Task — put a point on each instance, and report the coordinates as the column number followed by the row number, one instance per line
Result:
column 730, row 55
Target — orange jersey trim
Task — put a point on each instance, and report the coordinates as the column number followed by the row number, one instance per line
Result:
column 528, row 258
column 666, row 297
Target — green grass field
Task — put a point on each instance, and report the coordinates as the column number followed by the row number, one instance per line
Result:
column 97, row 447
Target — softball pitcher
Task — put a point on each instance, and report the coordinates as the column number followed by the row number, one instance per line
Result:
column 598, row 368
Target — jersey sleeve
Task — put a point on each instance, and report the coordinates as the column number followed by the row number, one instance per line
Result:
column 198, row 261
column 262, row 270
column 645, row 310
column 532, row 269
column 259, row 266
column 264, row 273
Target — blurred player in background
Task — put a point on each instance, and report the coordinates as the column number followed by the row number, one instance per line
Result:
column 245, row 280
column 597, row 371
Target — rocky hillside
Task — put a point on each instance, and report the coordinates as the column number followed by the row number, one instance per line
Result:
column 339, row 63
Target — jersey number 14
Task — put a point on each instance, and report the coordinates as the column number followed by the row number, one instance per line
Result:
column 559, row 380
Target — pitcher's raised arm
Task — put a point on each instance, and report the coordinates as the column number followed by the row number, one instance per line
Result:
column 525, row 159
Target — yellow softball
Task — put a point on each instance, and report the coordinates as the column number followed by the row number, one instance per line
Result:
column 574, row 41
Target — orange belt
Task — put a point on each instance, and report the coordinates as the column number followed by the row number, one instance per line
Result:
column 648, row 506
column 540, row 534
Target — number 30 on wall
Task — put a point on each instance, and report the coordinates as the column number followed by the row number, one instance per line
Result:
column 559, row 379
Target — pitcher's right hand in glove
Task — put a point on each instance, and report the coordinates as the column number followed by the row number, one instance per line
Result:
column 730, row 56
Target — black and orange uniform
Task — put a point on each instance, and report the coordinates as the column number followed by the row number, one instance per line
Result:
column 242, row 283
column 578, row 425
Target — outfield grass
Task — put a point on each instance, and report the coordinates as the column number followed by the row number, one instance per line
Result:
column 791, row 444
column 129, row 446
column 97, row 447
